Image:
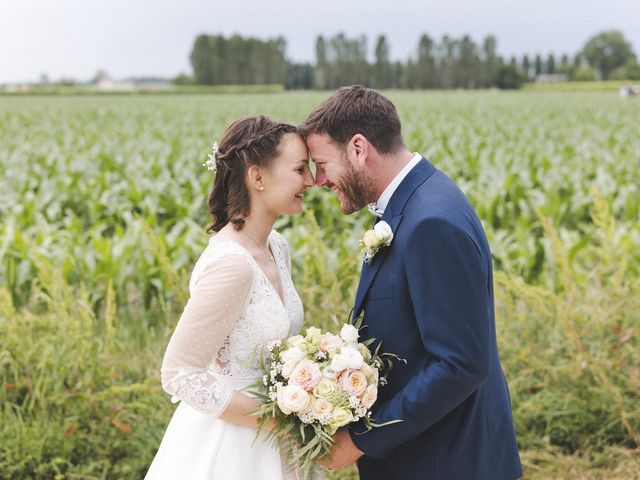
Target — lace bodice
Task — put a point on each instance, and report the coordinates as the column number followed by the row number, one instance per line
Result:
column 233, row 311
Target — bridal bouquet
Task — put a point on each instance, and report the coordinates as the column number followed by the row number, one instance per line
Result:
column 315, row 384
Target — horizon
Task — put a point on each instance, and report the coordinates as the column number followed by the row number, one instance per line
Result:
column 75, row 40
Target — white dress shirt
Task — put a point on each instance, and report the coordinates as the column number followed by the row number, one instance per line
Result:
column 378, row 207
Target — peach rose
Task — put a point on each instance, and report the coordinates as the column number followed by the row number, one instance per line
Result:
column 321, row 407
column 370, row 396
column 306, row 374
column 329, row 341
column 354, row 382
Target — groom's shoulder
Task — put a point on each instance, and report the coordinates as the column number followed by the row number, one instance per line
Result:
column 438, row 196
column 439, row 202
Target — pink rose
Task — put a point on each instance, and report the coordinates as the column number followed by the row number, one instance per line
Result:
column 306, row 374
column 354, row 382
column 329, row 341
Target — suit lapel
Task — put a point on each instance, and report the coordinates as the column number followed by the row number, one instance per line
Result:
column 393, row 216
column 369, row 270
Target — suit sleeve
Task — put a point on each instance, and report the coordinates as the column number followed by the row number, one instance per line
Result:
column 448, row 288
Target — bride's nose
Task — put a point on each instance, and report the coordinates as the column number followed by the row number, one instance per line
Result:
column 309, row 181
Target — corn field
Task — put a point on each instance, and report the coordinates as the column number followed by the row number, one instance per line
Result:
column 102, row 216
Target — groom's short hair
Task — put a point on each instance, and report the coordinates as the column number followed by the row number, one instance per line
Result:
column 356, row 109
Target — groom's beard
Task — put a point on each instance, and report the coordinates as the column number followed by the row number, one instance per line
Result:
column 357, row 189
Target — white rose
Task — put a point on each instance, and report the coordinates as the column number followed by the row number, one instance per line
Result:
column 341, row 417
column 329, row 373
column 293, row 354
column 321, row 407
column 313, row 335
column 325, row 388
column 369, row 397
column 288, row 367
column 293, row 399
column 349, row 333
column 384, row 231
column 371, row 373
column 370, row 238
column 347, row 358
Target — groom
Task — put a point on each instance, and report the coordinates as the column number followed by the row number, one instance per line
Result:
column 428, row 297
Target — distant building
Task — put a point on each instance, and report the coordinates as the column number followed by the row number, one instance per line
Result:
column 151, row 83
column 108, row 83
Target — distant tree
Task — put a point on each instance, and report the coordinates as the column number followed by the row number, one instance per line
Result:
column 508, row 77
column 64, row 82
column 490, row 62
column 299, row 76
column 346, row 61
column 526, row 68
column 628, row 71
column 468, row 63
column 183, row 79
column 99, row 76
column 422, row 73
column 551, row 64
column 577, row 60
column 321, row 73
column 538, row 65
column 447, row 62
column 201, row 61
column 382, row 68
column 397, row 76
column 607, row 51
column 584, row 73
column 217, row 60
column 565, row 66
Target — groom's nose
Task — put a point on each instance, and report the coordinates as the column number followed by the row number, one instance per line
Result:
column 321, row 177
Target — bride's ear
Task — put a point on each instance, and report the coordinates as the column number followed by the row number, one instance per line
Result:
column 255, row 177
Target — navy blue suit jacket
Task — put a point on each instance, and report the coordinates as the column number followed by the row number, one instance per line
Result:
column 428, row 298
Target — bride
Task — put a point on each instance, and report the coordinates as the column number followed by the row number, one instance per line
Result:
column 241, row 298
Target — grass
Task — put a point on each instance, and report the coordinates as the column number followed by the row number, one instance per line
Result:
column 599, row 86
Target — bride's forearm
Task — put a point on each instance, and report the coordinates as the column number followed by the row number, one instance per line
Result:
column 239, row 411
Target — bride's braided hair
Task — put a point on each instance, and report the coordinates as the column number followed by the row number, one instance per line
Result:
column 247, row 141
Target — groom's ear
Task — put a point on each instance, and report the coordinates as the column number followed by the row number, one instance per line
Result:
column 359, row 149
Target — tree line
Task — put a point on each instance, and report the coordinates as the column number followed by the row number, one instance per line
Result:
column 448, row 63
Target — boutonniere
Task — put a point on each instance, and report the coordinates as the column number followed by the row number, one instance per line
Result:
column 374, row 240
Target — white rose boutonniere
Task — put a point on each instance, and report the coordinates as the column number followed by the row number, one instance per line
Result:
column 374, row 240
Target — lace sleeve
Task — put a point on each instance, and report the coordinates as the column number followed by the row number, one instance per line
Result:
column 218, row 295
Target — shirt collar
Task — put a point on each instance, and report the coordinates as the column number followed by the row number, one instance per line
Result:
column 378, row 207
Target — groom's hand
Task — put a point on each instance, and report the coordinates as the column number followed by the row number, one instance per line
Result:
column 344, row 451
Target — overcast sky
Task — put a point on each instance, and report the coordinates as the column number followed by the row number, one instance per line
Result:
column 75, row 38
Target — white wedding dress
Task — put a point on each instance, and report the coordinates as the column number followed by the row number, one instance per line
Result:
column 232, row 312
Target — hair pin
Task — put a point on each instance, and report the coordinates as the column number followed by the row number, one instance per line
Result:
column 212, row 163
